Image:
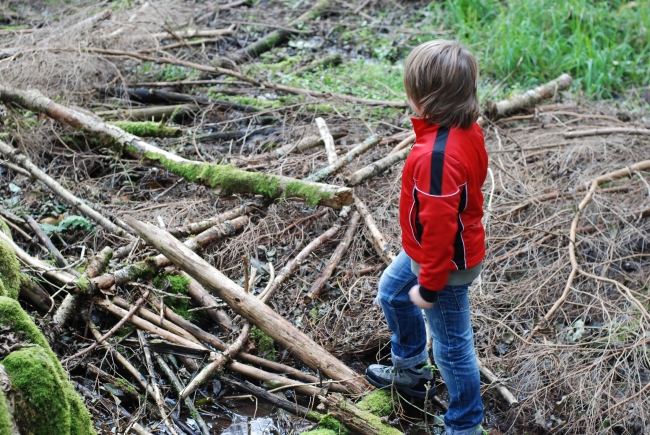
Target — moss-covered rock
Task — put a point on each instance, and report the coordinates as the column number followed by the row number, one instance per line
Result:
column 45, row 401
column 10, row 275
column 378, row 402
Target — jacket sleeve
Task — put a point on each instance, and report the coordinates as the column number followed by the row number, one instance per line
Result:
column 439, row 197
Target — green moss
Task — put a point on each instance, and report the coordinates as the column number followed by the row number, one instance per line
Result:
column 5, row 417
column 83, row 284
column 125, row 385
column 328, row 422
column 378, row 402
column 177, row 284
column 148, row 129
column 46, row 403
column 372, row 420
column 265, row 344
column 9, row 271
column 142, row 270
column 312, row 193
column 320, row 431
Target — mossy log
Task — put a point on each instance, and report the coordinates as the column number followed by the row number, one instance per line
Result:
column 356, row 419
column 331, row 60
column 45, row 401
column 148, row 129
column 248, row 306
column 226, row 177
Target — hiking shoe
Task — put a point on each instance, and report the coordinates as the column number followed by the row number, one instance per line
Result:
column 412, row 382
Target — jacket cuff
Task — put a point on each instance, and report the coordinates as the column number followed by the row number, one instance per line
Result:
column 427, row 295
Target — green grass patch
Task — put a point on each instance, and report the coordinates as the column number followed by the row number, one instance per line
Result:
column 605, row 46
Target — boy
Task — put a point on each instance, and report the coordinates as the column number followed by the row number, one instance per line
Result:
column 443, row 240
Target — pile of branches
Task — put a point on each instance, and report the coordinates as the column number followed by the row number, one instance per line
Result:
column 223, row 235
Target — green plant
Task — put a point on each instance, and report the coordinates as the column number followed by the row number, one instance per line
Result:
column 72, row 222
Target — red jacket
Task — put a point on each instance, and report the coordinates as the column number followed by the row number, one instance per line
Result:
column 441, row 204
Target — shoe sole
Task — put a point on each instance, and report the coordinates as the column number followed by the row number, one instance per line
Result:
column 408, row 391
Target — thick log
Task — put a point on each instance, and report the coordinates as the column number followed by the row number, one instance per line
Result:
column 528, row 98
column 249, row 307
column 228, row 178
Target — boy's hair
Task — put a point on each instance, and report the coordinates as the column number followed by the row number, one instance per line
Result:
column 440, row 77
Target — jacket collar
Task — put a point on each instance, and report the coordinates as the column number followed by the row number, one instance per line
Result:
column 421, row 127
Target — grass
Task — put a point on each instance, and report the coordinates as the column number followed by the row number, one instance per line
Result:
column 605, row 46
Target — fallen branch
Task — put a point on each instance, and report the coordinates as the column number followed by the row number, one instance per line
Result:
column 575, row 268
column 510, row 399
column 248, row 306
column 359, row 421
column 305, row 143
column 606, row 131
column 157, row 113
column 295, row 263
column 377, row 167
column 111, row 331
column 378, row 240
column 22, row 161
column 403, row 144
column 317, row 286
column 197, row 227
column 328, row 140
column 319, row 62
column 336, row 166
column 228, row 178
column 194, row 33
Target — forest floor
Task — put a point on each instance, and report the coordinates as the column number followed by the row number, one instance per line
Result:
column 584, row 368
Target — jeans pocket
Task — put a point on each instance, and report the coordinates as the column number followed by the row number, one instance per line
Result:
column 461, row 296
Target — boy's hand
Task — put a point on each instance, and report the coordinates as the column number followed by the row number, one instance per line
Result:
column 414, row 295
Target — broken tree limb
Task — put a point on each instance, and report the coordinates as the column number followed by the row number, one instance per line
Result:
column 205, row 299
column 279, row 36
column 359, row 421
column 305, row 143
column 378, row 240
column 510, row 399
column 336, row 166
column 227, row 177
column 377, row 167
column 217, row 364
column 295, row 263
column 528, row 98
column 328, row 140
column 249, row 307
column 317, row 286
column 603, row 131
column 157, row 113
column 22, row 161
column 330, row 60
column 197, row 227
column 403, row 144
column 179, row 387
column 111, row 331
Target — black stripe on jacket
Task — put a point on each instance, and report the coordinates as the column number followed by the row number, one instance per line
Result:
column 438, row 161
column 459, row 245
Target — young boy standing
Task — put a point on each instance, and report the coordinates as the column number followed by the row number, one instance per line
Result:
column 443, row 240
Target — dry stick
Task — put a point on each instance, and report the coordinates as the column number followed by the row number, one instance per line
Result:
column 96, row 265
column 403, row 144
column 328, row 140
column 379, row 241
column 155, row 113
column 62, row 262
column 605, row 131
column 179, row 387
column 127, row 387
column 319, row 284
column 133, row 271
column 510, row 399
column 154, row 318
column 249, row 307
column 197, row 227
column 232, row 73
column 336, row 166
column 152, row 380
column 304, row 144
column 229, row 178
column 218, row 363
column 195, row 33
column 295, row 263
column 111, row 331
column 575, row 268
column 493, row 111
column 205, row 299
column 22, row 160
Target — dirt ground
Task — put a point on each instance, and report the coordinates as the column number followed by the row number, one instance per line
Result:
column 584, row 369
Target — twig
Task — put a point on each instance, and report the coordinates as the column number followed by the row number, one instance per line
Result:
column 606, row 131
column 510, row 399
column 111, row 331
column 379, row 241
column 328, row 140
column 333, row 168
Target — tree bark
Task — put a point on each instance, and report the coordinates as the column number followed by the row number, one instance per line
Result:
column 249, row 307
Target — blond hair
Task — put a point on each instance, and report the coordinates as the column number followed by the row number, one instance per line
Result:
column 440, row 78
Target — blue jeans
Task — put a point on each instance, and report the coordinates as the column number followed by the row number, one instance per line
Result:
column 453, row 341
